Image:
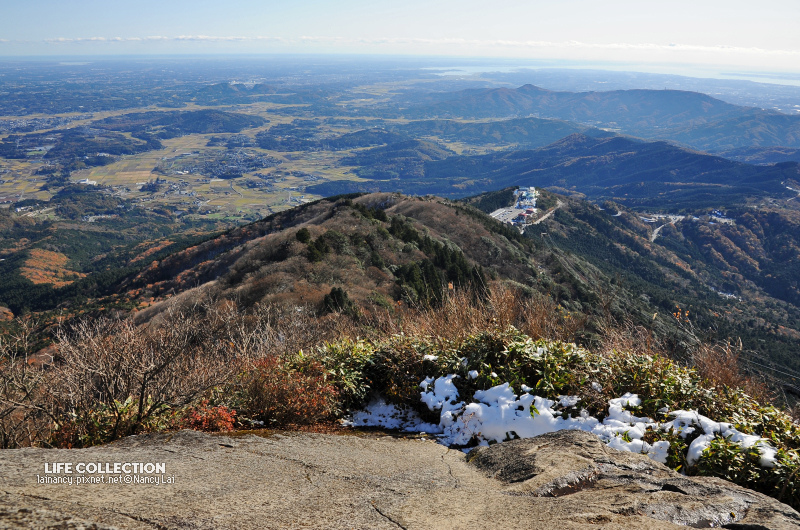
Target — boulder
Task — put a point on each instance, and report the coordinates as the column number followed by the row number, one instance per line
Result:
column 577, row 468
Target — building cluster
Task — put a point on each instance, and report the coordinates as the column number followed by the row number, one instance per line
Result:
column 525, row 203
column 36, row 124
column 523, row 209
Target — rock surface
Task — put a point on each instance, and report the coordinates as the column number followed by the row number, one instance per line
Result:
column 562, row 480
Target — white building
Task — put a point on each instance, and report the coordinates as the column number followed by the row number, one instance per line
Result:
column 526, row 198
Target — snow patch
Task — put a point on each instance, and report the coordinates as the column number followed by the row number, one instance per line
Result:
column 499, row 414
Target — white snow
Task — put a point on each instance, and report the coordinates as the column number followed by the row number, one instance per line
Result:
column 430, row 357
column 473, row 374
column 566, row 401
column 443, row 396
column 686, row 422
column 498, row 414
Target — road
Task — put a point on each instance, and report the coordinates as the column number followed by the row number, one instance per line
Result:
column 654, row 235
column 550, row 212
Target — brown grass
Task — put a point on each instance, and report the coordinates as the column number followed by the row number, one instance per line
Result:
column 47, row 267
column 462, row 315
column 716, row 362
column 719, row 364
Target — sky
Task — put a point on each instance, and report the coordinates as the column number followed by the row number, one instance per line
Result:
column 744, row 35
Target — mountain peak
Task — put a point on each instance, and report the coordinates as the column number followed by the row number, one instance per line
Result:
column 531, row 88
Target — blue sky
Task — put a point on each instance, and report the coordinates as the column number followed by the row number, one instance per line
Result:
column 754, row 35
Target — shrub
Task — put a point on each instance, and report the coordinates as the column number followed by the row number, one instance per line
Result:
column 728, row 460
column 111, row 378
column 279, row 393
column 114, row 379
column 107, row 421
column 397, row 368
column 26, row 411
column 552, row 369
column 317, row 249
column 205, row 417
column 338, row 301
column 347, row 363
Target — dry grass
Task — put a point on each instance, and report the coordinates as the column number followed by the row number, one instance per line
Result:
column 719, row 364
column 462, row 314
column 716, row 362
column 630, row 338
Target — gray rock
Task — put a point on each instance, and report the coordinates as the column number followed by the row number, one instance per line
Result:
column 565, row 480
column 578, row 466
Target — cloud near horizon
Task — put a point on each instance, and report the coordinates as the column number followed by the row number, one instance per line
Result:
column 493, row 43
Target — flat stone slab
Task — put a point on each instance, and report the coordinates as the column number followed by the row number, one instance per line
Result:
column 564, row 480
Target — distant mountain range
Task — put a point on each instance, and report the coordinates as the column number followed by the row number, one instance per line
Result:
column 761, row 155
column 693, row 119
column 623, row 169
column 525, row 132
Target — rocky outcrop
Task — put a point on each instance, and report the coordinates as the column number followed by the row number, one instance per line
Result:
column 575, row 467
column 562, row 480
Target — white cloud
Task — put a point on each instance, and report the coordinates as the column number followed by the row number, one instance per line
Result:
column 443, row 42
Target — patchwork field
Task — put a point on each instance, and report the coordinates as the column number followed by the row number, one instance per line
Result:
column 226, row 199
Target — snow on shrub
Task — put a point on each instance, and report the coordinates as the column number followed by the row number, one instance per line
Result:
column 498, row 414
column 640, row 403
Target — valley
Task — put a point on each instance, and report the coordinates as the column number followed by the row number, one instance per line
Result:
column 109, row 186
column 646, row 201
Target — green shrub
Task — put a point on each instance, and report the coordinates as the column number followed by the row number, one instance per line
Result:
column 347, row 364
column 397, row 368
column 551, row 369
column 338, row 301
column 730, row 461
column 303, row 235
